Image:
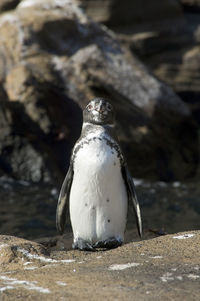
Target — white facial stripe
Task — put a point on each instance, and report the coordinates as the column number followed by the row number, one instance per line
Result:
column 98, row 106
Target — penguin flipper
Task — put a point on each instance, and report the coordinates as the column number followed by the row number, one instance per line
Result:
column 63, row 200
column 132, row 197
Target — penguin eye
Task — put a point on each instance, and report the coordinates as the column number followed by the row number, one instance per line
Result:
column 109, row 107
column 89, row 107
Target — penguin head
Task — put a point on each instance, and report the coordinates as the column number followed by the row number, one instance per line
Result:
column 98, row 111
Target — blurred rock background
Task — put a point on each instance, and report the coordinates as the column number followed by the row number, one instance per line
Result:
column 142, row 55
column 55, row 55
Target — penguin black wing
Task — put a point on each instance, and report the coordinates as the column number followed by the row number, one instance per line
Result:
column 63, row 200
column 132, row 197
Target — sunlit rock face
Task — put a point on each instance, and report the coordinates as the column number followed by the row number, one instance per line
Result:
column 145, row 268
column 164, row 34
column 53, row 59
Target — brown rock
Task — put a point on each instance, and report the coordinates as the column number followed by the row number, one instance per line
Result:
column 168, row 46
column 18, row 156
column 54, row 59
column 166, row 267
column 180, row 69
column 184, row 73
column 13, row 251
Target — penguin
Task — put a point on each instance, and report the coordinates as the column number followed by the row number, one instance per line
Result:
column 98, row 185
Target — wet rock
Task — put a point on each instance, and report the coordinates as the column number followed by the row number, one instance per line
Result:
column 53, row 60
column 143, row 269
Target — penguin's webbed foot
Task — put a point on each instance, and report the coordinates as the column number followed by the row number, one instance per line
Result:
column 82, row 245
column 110, row 243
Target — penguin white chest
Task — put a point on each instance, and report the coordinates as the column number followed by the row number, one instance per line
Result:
column 98, row 198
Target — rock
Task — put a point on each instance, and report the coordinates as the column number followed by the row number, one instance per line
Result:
column 191, row 5
column 170, row 51
column 168, row 46
column 13, row 251
column 18, row 158
column 190, row 2
column 115, row 13
column 8, row 5
column 179, row 68
column 143, row 269
column 147, row 28
column 53, row 60
column 162, row 34
column 184, row 75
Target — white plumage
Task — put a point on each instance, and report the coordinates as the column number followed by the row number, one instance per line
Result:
column 98, row 197
column 97, row 185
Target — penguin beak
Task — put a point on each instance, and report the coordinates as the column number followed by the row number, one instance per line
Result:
column 101, row 109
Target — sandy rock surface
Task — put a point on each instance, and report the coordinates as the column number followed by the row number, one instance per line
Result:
column 162, row 268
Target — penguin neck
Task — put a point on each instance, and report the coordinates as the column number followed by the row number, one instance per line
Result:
column 88, row 128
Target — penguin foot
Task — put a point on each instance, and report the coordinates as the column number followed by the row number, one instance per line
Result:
column 110, row 243
column 82, row 245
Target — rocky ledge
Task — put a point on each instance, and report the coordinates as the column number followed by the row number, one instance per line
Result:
column 162, row 268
